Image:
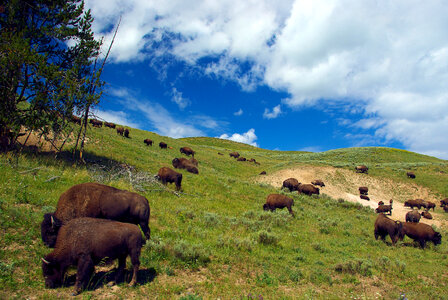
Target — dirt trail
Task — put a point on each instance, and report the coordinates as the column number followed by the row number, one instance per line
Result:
column 341, row 183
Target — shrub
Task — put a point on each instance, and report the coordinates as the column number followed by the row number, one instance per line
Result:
column 211, row 218
column 358, row 266
column 191, row 254
column 267, row 238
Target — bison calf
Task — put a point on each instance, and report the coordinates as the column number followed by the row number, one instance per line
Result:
column 363, row 190
column 308, row 189
column 426, row 215
column 291, row 184
column 318, row 182
column 410, row 175
column 274, row 201
column 364, row 197
column 422, row 233
column 187, row 151
column 166, row 175
column 84, row 242
column 385, row 226
column 413, row 216
column 148, row 142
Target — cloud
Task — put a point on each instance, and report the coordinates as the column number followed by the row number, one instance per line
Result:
column 316, row 51
column 247, row 138
column 177, row 97
column 117, row 117
column 276, row 111
column 238, row 113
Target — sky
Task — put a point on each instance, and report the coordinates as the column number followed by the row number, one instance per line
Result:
column 296, row 75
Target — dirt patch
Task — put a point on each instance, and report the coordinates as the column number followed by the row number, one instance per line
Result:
column 40, row 143
column 344, row 184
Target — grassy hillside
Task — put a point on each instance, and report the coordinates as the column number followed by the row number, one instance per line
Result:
column 213, row 239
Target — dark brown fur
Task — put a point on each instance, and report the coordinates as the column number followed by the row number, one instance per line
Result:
column 96, row 123
column 126, row 133
column 429, row 205
column 291, row 184
column 363, row 190
column 444, row 202
column 413, row 216
column 274, row 201
column 120, row 131
column 419, row 203
column 97, row 201
column 163, row 145
column 361, row 169
column 410, row 175
column 194, row 161
column 380, row 203
column 384, row 209
column 364, row 197
column 183, row 163
column 76, row 120
column 85, row 242
column 148, row 142
column 262, row 173
column 318, row 182
column 241, row 159
column 308, row 189
column 422, row 233
column 385, row 226
column 187, row 151
column 166, row 175
column 234, row 154
column 110, row 125
column 426, row 215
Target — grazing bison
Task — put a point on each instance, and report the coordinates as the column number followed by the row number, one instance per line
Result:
column 274, row 201
column 413, row 216
column 120, row 131
column 385, row 226
column 426, row 215
column 318, row 182
column 187, row 151
column 308, row 189
column 361, row 169
column 234, row 154
column 422, row 233
column 414, row 203
column 380, row 203
column 96, row 123
column 429, row 205
column 76, row 119
column 126, row 133
column 410, row 175
column 291, row 184
column 183, row 163
column 85, row 242
column 194, row 161
column 385, row 208
column 363, row 190
column 163, row 145
column 110, row 125
column 364, row 197
column 148, row 142
column 166, row 175
column 262, row 173
column 444, row 202
column 445, row 208
column 219, row 153
column 97, row 201
column 241, row 159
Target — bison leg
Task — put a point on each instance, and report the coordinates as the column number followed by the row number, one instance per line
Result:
column 84, row 273
column 121, row 267
column 135, row 254
column 290, row 211
column 422, row 243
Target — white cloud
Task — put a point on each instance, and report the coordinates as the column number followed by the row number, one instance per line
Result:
column 117, row 117
column 276, row 111
column 238, row 113
column 361, row 52
column 247, row 138
column 177, row 97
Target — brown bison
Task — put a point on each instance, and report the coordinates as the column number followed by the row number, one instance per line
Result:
column 274, row 201
column 445, row 208
column 166, row 175
column 426, row 215
column 183, row 163
column 364, row 197
column 76, row 119
column 413, row 216
column 148, row 142
column 194, row 161
column 120, row 131
column 363, row 190
column 85, row 242
column 318, row 182
column 96, row 123
column 410, row 175
column 308, row 189
column 380, row 203
column 234, row 154
column 219, row 153
column 97, row 201
column 187, row 151
column 361, row 169
column 163, row 145
column 444, row 202
column 422, row 233
column 385, row 208
column 110, row 125
column 126, row 133
column 385, row 226
column 419, row 203
column 428, row 205
column 241, row 159
column 291, row 183
column 262, row 173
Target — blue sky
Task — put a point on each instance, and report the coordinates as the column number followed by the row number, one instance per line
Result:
column 299, row 75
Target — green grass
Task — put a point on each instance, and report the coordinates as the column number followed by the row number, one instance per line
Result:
column 213, row 239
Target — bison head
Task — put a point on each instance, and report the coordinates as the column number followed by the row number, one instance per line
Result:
column 49, row 229
column 437, row 239
column 265, row 206
column 52, row 273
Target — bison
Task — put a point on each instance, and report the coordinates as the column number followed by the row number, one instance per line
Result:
column 422, row 233
column 385, row 208
column 126, row 133
column 234, row 154
column 380, row 203
column 361, row 169
column 96, row 123
column 385, row 226
column 166, row 175
column 444, row 202
column 85, row 242
column 241, row 159
column 291, row 183
column 183, row 163
column 414, row 203
column 120, row 131
column 413, row 216
column 148, row 142
column 364, row 197
column 187, row 151
column 163, row 145
column 363, row 190
column 318, row 182
column 274, row 201
column 428, row 205
column 97, row 201
column 76, row 119
column 426, row 215
column 110, row 125
column 194, row 161
column 410, row 175
column 308, row 189
column 262, row 173
column 219, row 153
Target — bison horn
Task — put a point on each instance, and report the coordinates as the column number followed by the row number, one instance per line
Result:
column 45, row 261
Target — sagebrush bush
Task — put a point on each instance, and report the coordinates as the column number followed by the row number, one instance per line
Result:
column 191, row 254
column 267, row 238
